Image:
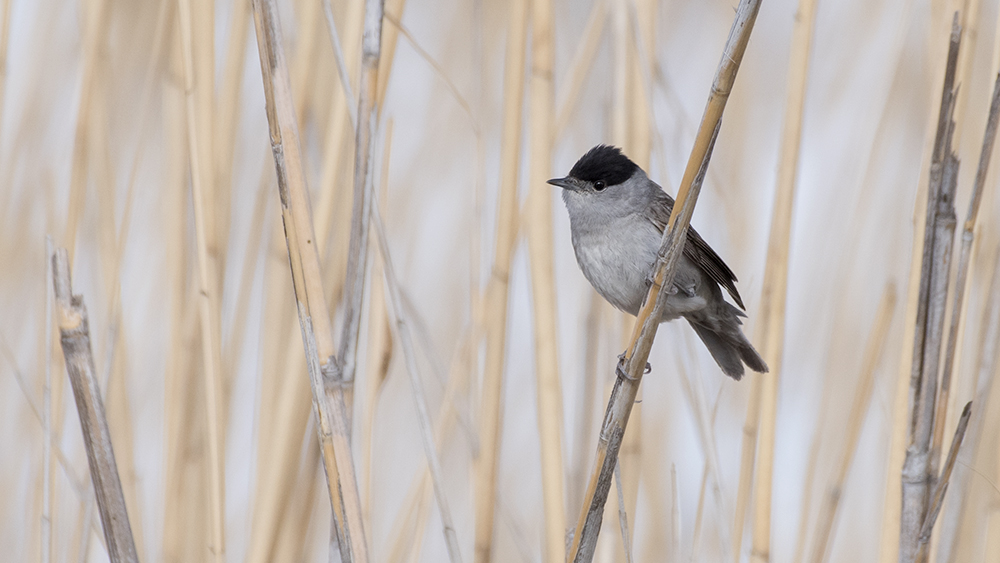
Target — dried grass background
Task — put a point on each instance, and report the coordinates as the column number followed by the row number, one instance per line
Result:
column 81, row 104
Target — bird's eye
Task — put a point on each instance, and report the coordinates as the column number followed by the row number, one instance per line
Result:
column 599, row 185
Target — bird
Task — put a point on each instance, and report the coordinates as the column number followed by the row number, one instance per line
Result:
column 617, row 216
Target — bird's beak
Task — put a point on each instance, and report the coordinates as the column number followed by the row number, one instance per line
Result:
column 565, row 183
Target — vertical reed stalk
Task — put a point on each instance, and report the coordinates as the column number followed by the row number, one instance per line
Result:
column 379, row 345
column 674, row 236
column 748, row 458
column 185, row 529
column 209, row 285
column 328, row 400
column 770, row 329
column 891, row 515
column 75, row 335
column 227, row 119
column 47, row 466
column 364, row 140
column 592, row 339
column 4, row 44
column 955, row 543
column 543, row 287
column 487, row 464
column 962, row 276
column 335, row 153
column 855, row 420
column 935, row 268
column 94, row 25
column 699, row 514
column 579, row 66
column 393, row 8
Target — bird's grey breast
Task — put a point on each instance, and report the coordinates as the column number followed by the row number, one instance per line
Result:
column 616, row 255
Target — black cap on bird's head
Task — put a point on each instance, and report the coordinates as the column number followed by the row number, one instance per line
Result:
column 601, row 165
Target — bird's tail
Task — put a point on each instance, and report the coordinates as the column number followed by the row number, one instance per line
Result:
column 728, row 345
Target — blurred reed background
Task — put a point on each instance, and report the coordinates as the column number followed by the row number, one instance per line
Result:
column 480, row 101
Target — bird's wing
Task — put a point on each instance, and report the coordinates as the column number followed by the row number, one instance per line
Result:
column 696, row 250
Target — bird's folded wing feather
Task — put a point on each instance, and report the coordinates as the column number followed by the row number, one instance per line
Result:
column 696, row 250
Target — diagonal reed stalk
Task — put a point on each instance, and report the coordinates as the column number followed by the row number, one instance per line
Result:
column 674, row 236
column 329, row 406
column 74, row 332
column 917, row 473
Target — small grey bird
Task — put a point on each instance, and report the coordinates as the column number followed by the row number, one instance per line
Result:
column 617, row 216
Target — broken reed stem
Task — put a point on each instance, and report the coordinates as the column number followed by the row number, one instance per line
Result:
column 208, row 298
column 674, row 236
column 329, row 409
column 74, row 333
column 855, row 420
column 962, row 277
column 423, row 418
column 543, row 285
column 497, row 288
column 770, row 329
column 937, row 500
column 357, row 258
column 917, row 473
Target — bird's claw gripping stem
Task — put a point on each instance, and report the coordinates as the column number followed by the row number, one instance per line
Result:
column 622, row 374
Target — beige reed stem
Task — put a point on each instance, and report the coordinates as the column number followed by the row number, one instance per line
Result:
column 770, row 329
column 496, row 292
column 314, row 317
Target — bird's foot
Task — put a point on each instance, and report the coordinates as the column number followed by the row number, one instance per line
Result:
column 622, row 374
